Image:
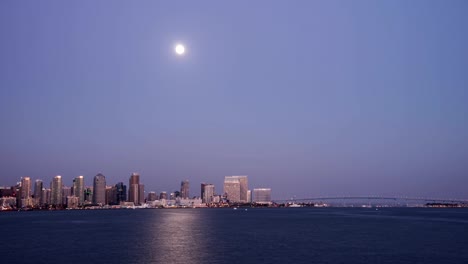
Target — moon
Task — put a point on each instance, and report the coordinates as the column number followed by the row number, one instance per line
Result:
column 180, row 49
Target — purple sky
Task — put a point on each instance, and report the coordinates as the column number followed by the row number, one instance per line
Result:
column 310, row 98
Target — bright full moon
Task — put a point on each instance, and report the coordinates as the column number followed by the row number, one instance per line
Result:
column 180, row 49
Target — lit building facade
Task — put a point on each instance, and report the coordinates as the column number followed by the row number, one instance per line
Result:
column 261, row 195
column 207, row 192
column 99, row 189
column 120, row 192
column 185, row 189
column 56, row 191
column 79, row 189
column 133, row 188
column 38, row 185
column 25, row 192
column 235, row 188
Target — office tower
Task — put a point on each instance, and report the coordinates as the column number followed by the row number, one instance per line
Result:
column 99, row 189
column 38, row 185
column 88, row 195
column 121, row 192
column 78, row 189
column 236, row 187
column 151, row 196
column 163, row 195
column 141, row 193
column 261, row 195
column 25, row 192
column 56, row 191
column 133, row 191
column 45, row 196
column 249, row 196
column 111, row 195
column 184, row 189
column 66, row 191
column 207, row 192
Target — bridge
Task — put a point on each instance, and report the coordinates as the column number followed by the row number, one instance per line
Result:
column 368, row 199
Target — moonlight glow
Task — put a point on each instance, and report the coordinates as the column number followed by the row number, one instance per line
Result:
column 180, row 49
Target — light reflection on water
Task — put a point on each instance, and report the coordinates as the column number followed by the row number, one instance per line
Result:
column 176, row 237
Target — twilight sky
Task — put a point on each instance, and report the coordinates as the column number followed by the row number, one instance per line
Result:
column 310, row 98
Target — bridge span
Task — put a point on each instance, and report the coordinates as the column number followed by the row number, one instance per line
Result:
column 373, row 198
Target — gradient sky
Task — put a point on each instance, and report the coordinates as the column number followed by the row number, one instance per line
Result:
column 310, row 98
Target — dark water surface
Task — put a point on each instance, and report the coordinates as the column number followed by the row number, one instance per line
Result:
column 287, row 235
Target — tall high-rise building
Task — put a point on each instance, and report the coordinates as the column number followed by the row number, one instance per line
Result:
column 88, row 195
column 184, row 189
column 121, row 192
column 38, row 185
column 111, row 195
column 45, row 197
column 133, row 188
column 163, row 195
column 207, row 192
column 261, row 195
column 235, row 188
column 56, row 191
column 141, row 194
column 25, row 193
column 66, row 191
column 79, row 189
column 99, row 189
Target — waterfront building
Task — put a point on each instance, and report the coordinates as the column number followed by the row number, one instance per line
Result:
column 133, row 188
column 120, row 192
column 72, row 202
column 6, row 191
column 111, row 195
column 249, row 196
column 184, row 189
column 163, row 195
column 261, row 195
column 88, row 195
column 152, row 197
column 45, row 197
column 25, row 192
column 78, row 189
column 56, row 191
column 235, row 188
column 99, row 189
column 141, row 194
column 66, row 191
column 38, row 185
column 207, row 192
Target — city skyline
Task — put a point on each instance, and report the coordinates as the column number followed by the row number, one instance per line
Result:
column 315, row 98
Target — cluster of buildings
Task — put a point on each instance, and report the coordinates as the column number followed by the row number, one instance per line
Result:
column 26, row 194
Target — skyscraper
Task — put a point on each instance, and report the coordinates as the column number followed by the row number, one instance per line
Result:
column 133, row 188
column 38, row 192
column 261, row 195
column 236, row 187
column 207, row 192
column 25, row 193
column 99, row 189
column 184, row 189
column 45, row 197
column 141, row 193
column 78, row 189
column 121, row 192
column 56, row 191
column 66, row 191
